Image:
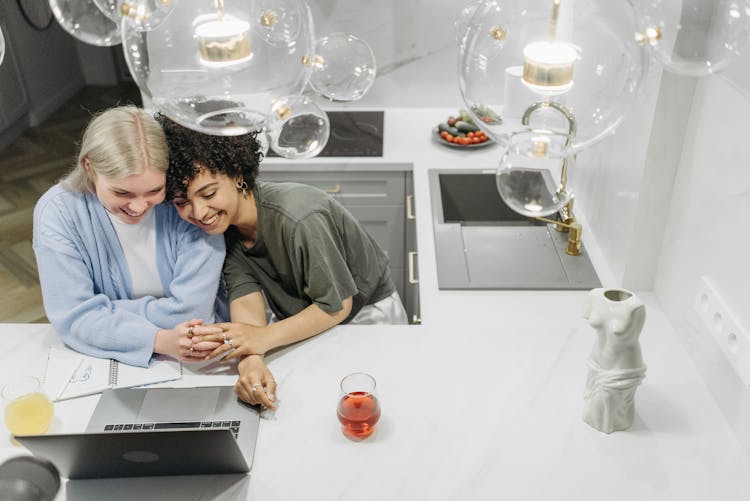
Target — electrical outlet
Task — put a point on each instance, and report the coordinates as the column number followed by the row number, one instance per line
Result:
column 723, row 326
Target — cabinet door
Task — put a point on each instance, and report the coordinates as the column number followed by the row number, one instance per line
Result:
column 14, row 103
column 386, row 225
column 348, row 188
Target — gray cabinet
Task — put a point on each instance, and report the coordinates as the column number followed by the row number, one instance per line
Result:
column 375, row 199
column 14, row 103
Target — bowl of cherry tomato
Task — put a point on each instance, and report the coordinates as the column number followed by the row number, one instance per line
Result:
column 461, row 132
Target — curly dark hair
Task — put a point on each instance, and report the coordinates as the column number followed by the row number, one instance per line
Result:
column 191, row 151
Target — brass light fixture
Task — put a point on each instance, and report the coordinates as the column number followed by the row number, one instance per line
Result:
column 222, row 40
column 548, row 65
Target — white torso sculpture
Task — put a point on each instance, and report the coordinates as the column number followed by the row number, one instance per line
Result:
column 615, row 366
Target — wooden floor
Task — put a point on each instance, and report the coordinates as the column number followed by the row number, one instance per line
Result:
column 28, row 167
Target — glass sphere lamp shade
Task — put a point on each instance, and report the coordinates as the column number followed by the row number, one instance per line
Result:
column 146, row 14
column 530, row 172
column 297, row 127
column 2, row 46
column 343, row 68
column 515, row 53
column 461, row 23
column 695, row 37
column 86, row 21
column 216, row 66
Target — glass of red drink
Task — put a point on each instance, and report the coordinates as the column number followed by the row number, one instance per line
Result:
column 359, row 409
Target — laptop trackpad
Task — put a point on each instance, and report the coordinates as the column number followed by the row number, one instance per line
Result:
column 178, row 405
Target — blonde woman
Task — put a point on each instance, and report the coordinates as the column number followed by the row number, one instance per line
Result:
column 122, row 276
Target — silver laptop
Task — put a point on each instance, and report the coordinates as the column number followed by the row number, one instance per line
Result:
column 157, row 431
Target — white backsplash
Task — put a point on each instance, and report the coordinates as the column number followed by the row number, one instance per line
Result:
column 414, row 44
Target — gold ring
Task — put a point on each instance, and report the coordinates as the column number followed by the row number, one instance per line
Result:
column 191, row 333
column 191, row 349
column 255, row 387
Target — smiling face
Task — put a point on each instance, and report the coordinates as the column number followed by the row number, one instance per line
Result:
column 130, row 198
column 212, row 202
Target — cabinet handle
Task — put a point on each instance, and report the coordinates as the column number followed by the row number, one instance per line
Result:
column 410, row 207
column 335, row 189
column 412, row 279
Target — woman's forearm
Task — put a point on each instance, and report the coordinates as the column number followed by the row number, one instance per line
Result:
column 305, row 324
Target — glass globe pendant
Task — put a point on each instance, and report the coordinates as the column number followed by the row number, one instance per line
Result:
column 580, row 55
column 146, row 14
column 532, row 174
column 297, row 127
column 216, row 66
column 695, row 37
column 2, row 46
column 86, row 21
column 343, row 67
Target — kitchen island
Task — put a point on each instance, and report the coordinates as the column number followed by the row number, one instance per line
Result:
column 483, row 400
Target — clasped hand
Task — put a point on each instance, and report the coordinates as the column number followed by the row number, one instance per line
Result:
column 240, row 339
column 182, row 342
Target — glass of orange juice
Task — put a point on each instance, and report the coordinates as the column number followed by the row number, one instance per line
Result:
column 28, row 411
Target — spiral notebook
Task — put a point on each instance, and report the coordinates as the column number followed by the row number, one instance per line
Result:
column 71, row 374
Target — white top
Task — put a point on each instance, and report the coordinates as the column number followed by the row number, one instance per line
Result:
column 138, row 243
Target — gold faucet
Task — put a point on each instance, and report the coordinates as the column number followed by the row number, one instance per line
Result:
column 566, row 220
column 574, row 230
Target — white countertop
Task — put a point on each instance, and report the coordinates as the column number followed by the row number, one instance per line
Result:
column 481, row 401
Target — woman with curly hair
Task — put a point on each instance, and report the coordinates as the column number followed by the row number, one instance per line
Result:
column 122, row 276
column 291, row 248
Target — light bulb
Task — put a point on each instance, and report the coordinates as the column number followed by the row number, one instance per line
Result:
column 223, row 40
column 548, row 66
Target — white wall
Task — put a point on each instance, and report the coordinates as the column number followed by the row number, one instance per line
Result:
column 706, row 234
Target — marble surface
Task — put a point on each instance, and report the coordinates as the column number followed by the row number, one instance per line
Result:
column 482, row 409
column 481, row 401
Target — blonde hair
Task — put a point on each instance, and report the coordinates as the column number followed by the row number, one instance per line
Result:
column 118, row 142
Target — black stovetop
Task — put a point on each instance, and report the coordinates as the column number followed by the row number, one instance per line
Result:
column 353, row 134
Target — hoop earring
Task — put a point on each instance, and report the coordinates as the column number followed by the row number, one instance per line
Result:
column 243, row 188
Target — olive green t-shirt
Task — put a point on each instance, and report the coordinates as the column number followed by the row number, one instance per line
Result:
column 308, row 249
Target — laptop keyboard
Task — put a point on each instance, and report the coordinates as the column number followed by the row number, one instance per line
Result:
column 234, row 426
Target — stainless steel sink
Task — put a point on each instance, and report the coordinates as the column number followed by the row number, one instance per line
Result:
column 480, row 243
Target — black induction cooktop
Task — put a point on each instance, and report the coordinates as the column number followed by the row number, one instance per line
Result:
column 353, row 134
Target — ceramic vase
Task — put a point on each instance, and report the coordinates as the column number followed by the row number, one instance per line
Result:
column 615, row 366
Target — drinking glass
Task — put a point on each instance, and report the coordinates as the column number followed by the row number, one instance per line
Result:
column 28, row 411
column 358, row 409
